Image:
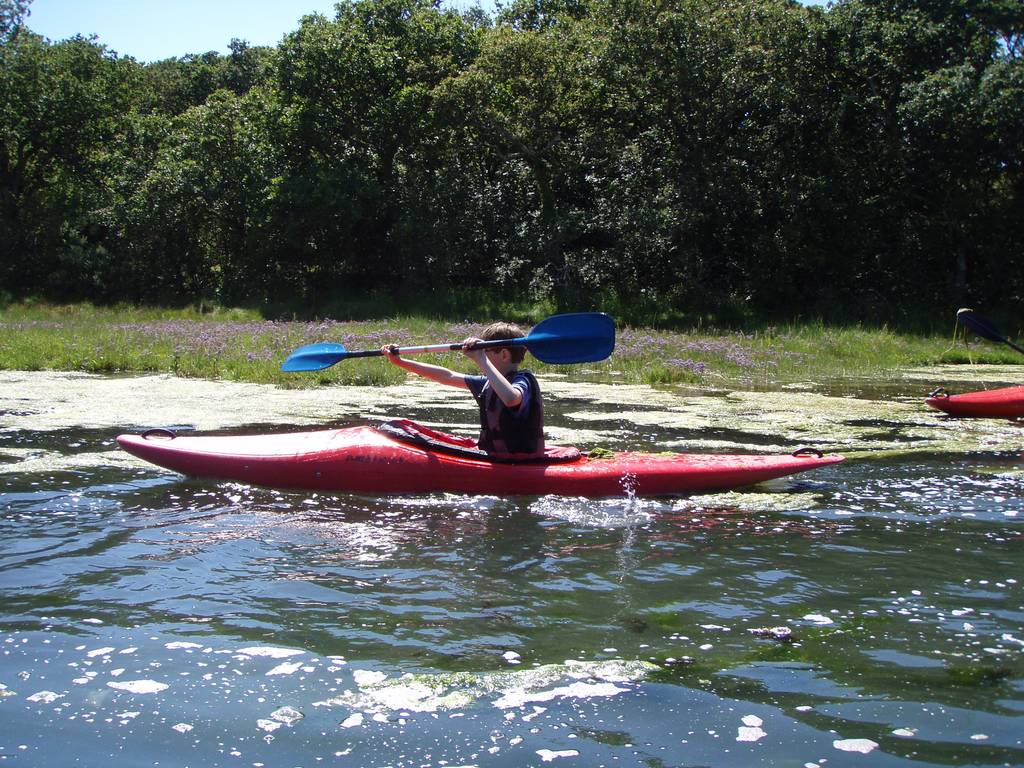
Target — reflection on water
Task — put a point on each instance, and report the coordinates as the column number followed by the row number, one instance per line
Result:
column 872, row 608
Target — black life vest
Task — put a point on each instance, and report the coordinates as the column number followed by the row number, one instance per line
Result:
column 520, row 435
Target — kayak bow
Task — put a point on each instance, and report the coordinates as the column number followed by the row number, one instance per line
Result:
column 1004, row 403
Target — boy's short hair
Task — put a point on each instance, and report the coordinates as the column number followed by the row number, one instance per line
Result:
column 506, row 331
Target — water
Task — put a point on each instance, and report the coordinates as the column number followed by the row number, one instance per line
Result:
column 871, row 613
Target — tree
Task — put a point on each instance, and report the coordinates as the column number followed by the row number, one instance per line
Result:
column 187, row 81
column 64, row 106
column 701, row 154
column 526, row 100
column 190, row 228
column 12, row 16
column 914, row 148
column 354, row 113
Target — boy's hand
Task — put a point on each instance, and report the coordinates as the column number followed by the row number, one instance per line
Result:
column 473, row 352
column 390, row 351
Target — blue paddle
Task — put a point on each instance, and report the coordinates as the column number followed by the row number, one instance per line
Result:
column 984, row 328
column 580, row 337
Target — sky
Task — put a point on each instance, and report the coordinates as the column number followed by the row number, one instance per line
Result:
column 150, row 30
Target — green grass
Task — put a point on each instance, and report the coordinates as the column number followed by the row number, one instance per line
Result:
column 240, row 345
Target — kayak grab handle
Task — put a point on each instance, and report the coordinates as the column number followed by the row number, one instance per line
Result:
column 938, row 392
column 806, row 451
column 158, row 432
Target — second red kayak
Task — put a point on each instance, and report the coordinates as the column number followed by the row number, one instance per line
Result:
column 404, row 457
column 1003, row 403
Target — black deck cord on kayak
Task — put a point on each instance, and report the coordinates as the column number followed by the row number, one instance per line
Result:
column 158, row 431
column 807, row 451
column 938, row 392
column 397, row 431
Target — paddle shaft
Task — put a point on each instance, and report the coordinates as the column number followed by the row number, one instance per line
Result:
column 437, row 348
column 1011, row 345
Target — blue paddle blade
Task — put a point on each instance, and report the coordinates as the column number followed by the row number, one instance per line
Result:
column 984, row 328
column 314, row 357
column 581, row 337
column 980, row 325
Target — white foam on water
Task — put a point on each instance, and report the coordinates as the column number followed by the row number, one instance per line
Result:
column 352, row 721
column 745, row 733
column 366, row 677
column 270, row 651
column 536, row 712
column 548, row 755
column 139, row 686
column 863, row 746
column 287, row 715
column 44, row 697
column 288, row 668
column 268, row 725
column 509, row 689
column 575, row 691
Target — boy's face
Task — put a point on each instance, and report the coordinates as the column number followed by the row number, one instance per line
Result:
column 500, row 356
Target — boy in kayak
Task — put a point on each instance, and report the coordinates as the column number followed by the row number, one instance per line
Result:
column 511, row 407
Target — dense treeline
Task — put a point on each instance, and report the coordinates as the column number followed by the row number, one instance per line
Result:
column 864, row 159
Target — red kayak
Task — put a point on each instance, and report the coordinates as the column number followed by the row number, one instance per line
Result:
column 403, row 457
column 1005, row 403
